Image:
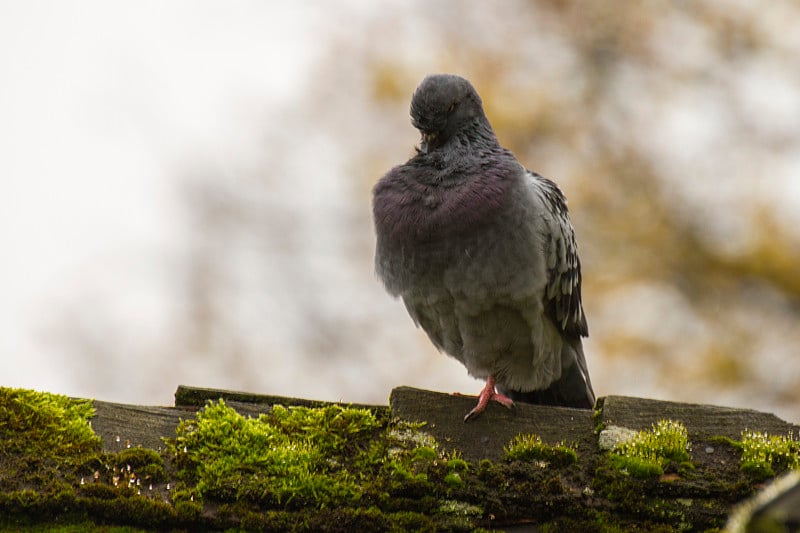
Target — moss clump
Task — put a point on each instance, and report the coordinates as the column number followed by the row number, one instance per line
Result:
column 648, row 452
column 81, row 527
column 146, row 465
column 45, row 425
column 321, row 467
column 597, row 415
column 531, row 448
column 290, row 456
column 461, row 514
column 764, row 455
column 53, row 469
column 454, row 479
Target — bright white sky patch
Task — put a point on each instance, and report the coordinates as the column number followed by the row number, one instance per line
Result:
column 98, row 100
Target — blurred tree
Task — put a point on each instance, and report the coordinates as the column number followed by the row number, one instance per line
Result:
column 673, row 128
column 640, row 113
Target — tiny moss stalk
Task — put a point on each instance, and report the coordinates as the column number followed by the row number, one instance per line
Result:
column 765, row 455
column 531, row 448
column 648, row 452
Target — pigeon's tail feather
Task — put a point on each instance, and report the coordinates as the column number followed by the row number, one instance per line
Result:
column 573, row 389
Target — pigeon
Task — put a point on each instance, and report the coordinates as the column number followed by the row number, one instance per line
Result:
column 483, row 255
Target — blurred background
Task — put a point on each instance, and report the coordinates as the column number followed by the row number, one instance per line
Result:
column 185, row 189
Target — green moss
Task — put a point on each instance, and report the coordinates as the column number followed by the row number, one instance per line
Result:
column 460, row 514
column 531, row 448
column 290, row 456
column 454, row 479
column 140, row 464
column 297, row 458
column 55, row 472
column 310, row 462
column 637, row 466
column 81, row 527
column 764, row 455
column 45, row 425
column 455, row 463
column 410, row 521
column 597, row 522
column 597, row 415
column 331, row 468
column 722, row 439
column 296, row 468
column 648, row 452
column 128, row 508
column 425, row 453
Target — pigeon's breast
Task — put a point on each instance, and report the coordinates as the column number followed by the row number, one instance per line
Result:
column 465, row 236
column 412, row 211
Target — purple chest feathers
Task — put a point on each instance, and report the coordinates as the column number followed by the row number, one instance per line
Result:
column 409, row 210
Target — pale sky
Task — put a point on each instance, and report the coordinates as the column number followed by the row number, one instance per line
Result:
column 97, row 101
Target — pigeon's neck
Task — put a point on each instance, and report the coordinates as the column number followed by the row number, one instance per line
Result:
column 451, row 164
column 478, row 140
column 483, row 133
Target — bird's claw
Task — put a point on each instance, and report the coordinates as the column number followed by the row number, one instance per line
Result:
column 483, row 401
column 472, row 415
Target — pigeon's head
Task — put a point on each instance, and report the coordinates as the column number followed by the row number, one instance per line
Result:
column 443, row 105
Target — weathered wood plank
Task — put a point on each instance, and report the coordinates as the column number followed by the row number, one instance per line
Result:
column 485, row 436
column 187, row 396
column 700, row 420
column 511, row 492
column 121, row 426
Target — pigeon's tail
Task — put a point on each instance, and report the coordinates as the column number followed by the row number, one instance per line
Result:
column 573, row 389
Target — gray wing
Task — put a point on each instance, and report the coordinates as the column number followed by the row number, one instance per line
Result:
column 562, row 299
column 562, row 302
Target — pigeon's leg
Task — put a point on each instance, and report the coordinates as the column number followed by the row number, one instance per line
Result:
column 488, row 393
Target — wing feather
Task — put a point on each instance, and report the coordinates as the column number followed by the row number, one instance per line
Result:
column 563, row 292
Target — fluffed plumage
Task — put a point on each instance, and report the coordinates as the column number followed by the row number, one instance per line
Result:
column 483, row 254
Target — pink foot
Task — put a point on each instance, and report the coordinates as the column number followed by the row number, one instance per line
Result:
column 488, row 393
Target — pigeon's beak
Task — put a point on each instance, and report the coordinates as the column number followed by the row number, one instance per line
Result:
column 428, row 140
